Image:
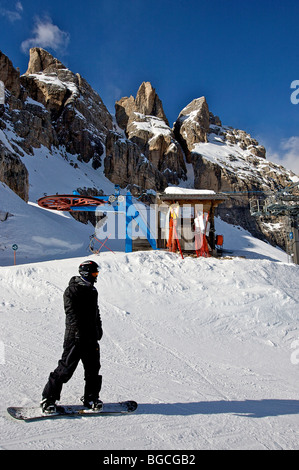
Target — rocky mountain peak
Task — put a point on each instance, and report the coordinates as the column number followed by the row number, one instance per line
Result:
column 151, row 157
column 50, row 82
column 42, row 61
column 79, row 116
column 147, row 102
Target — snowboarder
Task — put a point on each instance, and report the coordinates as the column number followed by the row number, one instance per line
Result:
column 82, row 332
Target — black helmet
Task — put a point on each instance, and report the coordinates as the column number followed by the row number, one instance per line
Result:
column 89, row 270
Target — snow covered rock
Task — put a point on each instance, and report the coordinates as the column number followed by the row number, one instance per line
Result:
column 157, row 142
column 81, row 119
column 192, row 125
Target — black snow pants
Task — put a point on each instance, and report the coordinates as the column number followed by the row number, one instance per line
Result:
column 73, row 352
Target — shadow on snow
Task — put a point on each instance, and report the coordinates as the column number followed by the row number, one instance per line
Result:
column 249, row 408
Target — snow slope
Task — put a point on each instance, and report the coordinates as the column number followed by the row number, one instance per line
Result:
column 41, row 234
column 208, row 348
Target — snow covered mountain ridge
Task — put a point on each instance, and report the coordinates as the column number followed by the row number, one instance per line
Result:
column 52, row 114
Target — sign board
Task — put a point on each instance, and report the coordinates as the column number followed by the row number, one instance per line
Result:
column 15, row 247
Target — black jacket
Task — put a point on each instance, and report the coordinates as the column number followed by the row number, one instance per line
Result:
column 83, row 321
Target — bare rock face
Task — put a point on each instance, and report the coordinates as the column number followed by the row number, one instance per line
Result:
column 9, row 75
column 123, row 109
column 42, row 61
column 148, row 103
column 13, row 172
column 125, row 165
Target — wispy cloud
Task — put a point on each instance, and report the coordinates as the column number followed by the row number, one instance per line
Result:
column 19, row 6
column 12, row 15
column 47, row 35
column 287, row 155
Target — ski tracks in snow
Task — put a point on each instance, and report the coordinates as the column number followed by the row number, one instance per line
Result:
column 202, row 345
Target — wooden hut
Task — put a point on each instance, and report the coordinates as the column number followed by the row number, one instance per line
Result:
column 187, row 217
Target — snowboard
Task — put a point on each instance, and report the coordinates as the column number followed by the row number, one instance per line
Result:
column 34, row 413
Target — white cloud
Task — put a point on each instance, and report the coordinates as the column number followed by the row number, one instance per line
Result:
column 288, row 155
column 12, row 15
column 46, row 35
column 19, row 6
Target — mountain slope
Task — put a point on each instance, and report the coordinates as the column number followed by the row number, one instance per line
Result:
column 53, row 119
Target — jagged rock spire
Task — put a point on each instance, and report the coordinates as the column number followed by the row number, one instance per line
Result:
column 147, row 102
column 42, row 61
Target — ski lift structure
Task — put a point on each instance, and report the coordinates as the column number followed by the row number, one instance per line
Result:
column 114, row 203
column 143, row 225
column 283, row 203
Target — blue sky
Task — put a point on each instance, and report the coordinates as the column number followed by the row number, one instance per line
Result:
column 241, row 55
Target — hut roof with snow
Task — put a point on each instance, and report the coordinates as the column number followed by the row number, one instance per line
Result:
column 192, row 194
